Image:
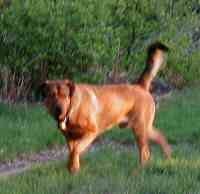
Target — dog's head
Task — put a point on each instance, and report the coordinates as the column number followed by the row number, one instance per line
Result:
column 57, row 95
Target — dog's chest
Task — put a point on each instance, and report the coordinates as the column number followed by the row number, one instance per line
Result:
column 85, row 110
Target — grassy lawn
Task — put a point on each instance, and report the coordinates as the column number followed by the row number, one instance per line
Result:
column 26, row 129
column 112, row 171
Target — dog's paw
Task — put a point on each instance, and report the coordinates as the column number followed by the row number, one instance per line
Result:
column 73, row 169
column 168, row 152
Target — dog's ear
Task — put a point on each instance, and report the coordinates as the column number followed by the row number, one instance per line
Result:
column 70, row 84
column 44, row 88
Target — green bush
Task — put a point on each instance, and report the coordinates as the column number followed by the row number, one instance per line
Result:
column 84, row 39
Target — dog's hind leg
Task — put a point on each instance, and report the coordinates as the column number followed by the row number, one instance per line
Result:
column 78, row 146
column 143, row 145
column 144, row 149
column 156, row 136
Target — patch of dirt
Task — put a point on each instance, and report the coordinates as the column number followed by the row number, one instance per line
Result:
column 27, row 161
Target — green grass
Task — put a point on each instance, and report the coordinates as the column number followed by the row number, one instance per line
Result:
column 25, row 129
column 108, row 169
column 179, row 116
column 112, row 171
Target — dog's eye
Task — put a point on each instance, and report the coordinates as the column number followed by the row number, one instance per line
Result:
column 63, row 91
column 52, row 94
column 49, row 95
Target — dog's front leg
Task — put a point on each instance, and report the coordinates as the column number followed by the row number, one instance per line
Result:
column 73, row 160
column 76, row 148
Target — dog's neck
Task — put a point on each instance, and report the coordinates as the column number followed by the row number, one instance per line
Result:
column 74, row 103
column 64, row 124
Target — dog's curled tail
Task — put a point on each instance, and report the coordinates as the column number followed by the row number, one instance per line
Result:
column 155, row 59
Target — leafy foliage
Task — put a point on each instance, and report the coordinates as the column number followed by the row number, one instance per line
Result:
column 85, row 39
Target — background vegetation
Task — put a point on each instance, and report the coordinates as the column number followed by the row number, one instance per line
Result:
column 85, row 40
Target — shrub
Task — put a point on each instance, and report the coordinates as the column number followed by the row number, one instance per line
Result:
column 86, row 39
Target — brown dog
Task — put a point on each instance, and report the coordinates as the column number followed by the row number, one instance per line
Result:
column 85, row 111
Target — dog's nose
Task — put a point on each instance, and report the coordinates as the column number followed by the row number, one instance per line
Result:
column 57, row 111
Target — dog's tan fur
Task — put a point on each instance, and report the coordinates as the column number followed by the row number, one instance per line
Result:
column 85, row 111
